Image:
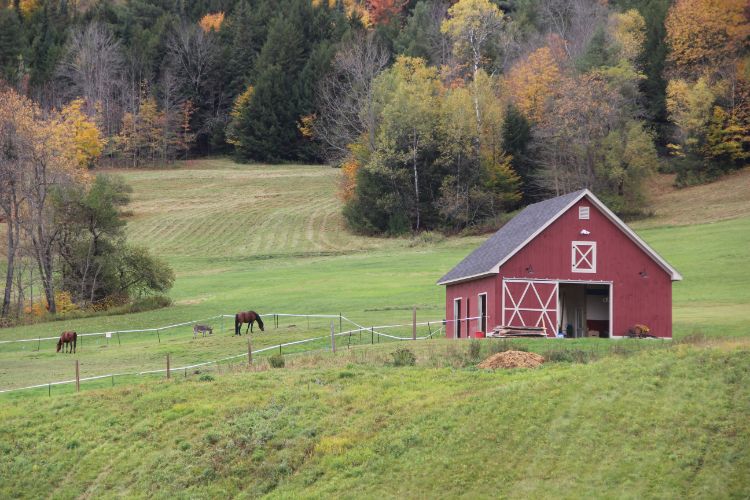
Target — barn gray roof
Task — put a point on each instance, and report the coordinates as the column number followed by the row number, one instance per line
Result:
column 508, row 238
column 523, row 227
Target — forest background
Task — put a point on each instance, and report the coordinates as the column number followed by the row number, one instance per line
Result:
column 442, row 115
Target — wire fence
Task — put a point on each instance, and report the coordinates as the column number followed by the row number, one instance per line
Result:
column 357, row 334
column 354, row 336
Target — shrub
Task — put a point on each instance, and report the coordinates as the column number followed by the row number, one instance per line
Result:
column 426, row 238
column 475, row 348
column 150, row 303
column 568, row 356
column 206, row 378
column 403, row 357
column 277, row 361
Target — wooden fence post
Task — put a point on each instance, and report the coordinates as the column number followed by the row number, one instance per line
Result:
column 78, row 377
column 249, row 353
column 429, row 329
column 414, row 324
column 168, row 374
column 118, row 339
column 372, row 335
column 158, row 336
column 333, row 338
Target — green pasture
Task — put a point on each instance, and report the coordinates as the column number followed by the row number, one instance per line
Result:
column 626, row 418
column 272, row 239
column 651, row 424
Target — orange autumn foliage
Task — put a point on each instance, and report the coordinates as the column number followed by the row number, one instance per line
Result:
column 532, row 81
column 212, row 22
column 704, row 34
column 348, row 179
column 381, row 11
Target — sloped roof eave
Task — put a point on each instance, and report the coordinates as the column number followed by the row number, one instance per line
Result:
column 673, row 273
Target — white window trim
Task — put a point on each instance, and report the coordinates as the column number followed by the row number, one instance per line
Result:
column 482, row 312
column 584, row 212
column 578, row 256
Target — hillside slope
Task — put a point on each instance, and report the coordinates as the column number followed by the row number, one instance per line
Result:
column 666, row 423
column 725, row 199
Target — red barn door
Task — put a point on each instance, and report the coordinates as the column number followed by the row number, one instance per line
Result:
column 530, row 303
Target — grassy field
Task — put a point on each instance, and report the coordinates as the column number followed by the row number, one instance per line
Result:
column 272, row 239
column 662, row 423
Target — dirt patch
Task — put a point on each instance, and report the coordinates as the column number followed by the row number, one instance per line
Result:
column 512, row 359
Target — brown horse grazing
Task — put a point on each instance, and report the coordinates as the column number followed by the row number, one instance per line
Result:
column 248, row 317
column 69, row 339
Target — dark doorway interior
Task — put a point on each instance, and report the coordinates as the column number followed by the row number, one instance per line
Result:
column 584, row 310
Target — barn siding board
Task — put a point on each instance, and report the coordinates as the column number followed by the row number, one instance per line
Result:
column 641, row 288
column 471, row 290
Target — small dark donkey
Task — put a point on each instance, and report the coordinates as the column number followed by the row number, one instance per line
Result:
column 202, row 329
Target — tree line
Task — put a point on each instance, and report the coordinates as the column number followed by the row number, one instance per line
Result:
column 64, row 224
column 442, row 114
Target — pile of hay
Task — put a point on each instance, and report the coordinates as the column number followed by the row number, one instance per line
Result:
column 512, row 359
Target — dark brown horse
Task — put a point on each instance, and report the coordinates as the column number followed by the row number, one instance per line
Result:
column 69, row 339
column 248, row 317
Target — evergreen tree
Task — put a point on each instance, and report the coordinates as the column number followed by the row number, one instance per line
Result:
column 516, row 137
column 11, row 40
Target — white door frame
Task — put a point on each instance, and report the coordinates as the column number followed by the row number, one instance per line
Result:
column 611, row 286
column 574, row 282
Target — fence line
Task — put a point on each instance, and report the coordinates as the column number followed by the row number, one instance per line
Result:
column 227, row 358
column 220, row 316
column 141, row 330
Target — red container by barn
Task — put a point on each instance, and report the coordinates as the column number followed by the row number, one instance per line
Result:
column 566, row 264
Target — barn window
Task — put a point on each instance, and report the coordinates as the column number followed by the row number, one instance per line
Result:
column 583, row 213
column 583, row 257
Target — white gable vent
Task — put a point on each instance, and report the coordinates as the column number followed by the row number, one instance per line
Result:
column 583, row 213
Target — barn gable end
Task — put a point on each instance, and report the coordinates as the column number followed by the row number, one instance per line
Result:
column 571, row 250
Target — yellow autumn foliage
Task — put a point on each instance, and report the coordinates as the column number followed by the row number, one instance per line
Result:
column 87, row 138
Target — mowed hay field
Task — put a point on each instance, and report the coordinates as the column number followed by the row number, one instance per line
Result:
column 655, row 421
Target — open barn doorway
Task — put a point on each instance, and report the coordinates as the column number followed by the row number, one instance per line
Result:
column 585, row 309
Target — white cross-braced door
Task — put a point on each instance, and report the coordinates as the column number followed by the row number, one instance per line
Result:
column 530, row 303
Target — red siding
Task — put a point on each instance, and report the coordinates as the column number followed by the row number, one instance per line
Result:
column 471, row 290
column 637, row 298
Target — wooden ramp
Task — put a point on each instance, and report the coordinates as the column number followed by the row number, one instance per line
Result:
column 518, row 331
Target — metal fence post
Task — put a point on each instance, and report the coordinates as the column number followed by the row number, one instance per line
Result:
column 78, row 377
column 168, row 374
column 414, row 324
column 249, row 353
column 333, row 338
column 158, row 336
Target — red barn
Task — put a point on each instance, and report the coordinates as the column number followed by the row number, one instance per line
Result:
column 567, row 264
